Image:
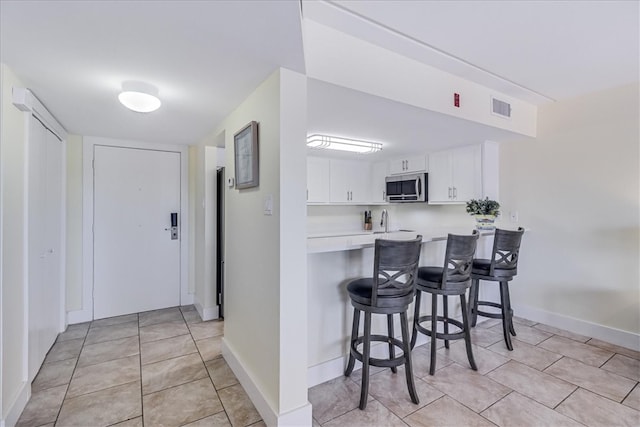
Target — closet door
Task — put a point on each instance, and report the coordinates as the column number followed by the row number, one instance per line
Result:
column 45, row 241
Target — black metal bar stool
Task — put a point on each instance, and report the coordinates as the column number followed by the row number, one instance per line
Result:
column 389, row 291
column 452, row 279
column 502, row 267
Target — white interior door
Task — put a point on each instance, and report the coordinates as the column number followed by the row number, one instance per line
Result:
column 45, row 241
column 136, row 262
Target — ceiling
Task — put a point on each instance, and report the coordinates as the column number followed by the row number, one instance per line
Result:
column 207, row 56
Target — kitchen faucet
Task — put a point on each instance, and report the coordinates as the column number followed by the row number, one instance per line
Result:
column 384, row 221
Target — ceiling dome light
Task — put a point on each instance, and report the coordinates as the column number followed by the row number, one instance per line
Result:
column 140, row 97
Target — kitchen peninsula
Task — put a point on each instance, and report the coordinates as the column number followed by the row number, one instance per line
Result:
column 335, row 258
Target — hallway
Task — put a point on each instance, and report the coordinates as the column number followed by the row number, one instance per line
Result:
column 155, row 368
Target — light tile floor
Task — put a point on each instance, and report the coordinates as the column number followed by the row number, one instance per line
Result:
column 157, row 368
column 551, row 378
column 163, row 368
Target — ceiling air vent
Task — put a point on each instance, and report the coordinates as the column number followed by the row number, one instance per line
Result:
column 500, row 108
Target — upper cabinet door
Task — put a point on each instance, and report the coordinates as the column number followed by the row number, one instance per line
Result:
column 440, row 189
column 379, row 172
column 350, row 181
column 408, row 164
column 455, row 175
column 360, row 181
column 467, row 173
column 317, row 180
column 340, row 180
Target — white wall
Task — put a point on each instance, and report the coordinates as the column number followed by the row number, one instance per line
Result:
column 577, row 187
column 372, row 69
column 265, row 256
column 13, row 369
column 74, row 223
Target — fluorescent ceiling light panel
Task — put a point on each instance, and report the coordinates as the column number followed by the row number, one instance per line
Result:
column 140, row 97
column 343, row 144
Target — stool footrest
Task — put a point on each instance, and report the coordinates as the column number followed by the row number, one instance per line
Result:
column 441, row 335
column 486, row 313
column 381, row 363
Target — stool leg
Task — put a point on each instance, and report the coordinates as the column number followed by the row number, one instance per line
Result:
column 467, row 333
column 366, row 347
column 416, row 316
column 506, row 315
column 408, row 368
column 392, row 352
column 473, row 301
column 354, row 337
column 445, row 314
column 434, row 329
column 513, row 331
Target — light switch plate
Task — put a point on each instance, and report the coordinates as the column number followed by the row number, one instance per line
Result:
column 268, row 205
column 231, row 181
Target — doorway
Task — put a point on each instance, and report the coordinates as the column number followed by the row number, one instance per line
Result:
column 220, row 187
column 137, row 254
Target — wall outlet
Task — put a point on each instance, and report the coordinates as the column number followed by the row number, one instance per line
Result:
column 513, row 216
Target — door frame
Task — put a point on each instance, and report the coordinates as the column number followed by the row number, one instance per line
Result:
column 89, row 142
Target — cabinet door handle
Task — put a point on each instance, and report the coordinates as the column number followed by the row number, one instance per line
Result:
column 455, row 193
column 449, row 192
column 307, row 194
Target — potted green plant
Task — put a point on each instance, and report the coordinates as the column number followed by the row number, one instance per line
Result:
column 485, row 212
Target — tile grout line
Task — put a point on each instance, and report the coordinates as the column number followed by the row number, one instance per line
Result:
column 224, row 409
column 568, row 396
column 168, row 358
column 606, row 361
column 630, row 391
column 75, row 367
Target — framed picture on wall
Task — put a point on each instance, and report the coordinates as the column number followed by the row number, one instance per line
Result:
column 245, row 146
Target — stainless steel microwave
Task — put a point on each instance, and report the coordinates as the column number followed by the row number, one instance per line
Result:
column 407, row 188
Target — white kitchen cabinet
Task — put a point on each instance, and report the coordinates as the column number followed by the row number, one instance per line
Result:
column 318, row 175
column 408, row 164
column 455, row 175
column 349, row 181
column 379, row 172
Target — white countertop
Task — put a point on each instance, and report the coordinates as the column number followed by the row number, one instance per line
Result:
column 346, row 241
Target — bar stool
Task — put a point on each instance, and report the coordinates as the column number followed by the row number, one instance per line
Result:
column 389, row 291
column 454, row 278
column 502, row 267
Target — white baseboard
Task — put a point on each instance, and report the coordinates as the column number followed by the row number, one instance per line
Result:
column 18, row 406
column 297, row 417
column 79, row 316
column 208, row 313
column 334, row 368
column 583, row 327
